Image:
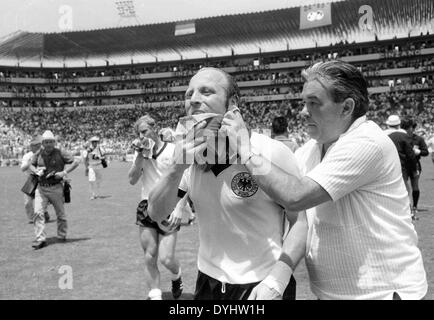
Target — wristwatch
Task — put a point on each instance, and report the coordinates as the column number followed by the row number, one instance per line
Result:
column 254, row 152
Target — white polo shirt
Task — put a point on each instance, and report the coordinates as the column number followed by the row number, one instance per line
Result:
column 240, row 227
column 362, row 245
column 153, row 169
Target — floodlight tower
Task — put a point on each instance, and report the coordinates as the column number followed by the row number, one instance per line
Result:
column 126, row 12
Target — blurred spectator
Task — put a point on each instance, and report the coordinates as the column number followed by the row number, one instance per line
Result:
column 279, row 131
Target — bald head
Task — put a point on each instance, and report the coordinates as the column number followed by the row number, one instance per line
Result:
column 231, row 86
column 211, row 90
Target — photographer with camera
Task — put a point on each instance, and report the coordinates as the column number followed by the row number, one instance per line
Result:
column 35, row 145
column 94, row 161
column 49, row 164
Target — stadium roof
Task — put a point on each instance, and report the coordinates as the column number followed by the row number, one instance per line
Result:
column 217, row 36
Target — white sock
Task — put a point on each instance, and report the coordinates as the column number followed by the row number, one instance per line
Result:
column 155, row 294
column 176, row 276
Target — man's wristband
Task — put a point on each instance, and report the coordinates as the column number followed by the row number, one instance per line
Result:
column 287, row 259
column 279, row 277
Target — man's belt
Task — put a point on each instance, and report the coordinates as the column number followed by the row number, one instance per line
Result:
column 47, row 184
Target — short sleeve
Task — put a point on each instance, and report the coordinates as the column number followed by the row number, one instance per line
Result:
column 68, row 158
column 34, row 159
column 347, row 167
column 185, row 180
column 26, row 158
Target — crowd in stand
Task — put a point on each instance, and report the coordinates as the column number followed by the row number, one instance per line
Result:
column 418, row 106
column 283, row 76
column 283, row 82
column 74, row 128
column 13, row 141
column 344, row 49
column 278, row 77
column 341, row 49
column 285, row 86
column 101, row 87
column 158, row 85
column 114, row 125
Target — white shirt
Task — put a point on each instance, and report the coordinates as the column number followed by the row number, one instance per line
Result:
column 27, row 158
column 153, row 169
column 240, row 227
column 94, row 157
column 361, row 245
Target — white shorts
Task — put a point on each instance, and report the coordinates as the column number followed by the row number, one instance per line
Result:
column 94, row 174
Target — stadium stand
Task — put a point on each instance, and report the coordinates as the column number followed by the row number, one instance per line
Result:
column 98, row 82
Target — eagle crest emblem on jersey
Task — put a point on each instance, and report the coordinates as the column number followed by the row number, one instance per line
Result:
column 243, row 185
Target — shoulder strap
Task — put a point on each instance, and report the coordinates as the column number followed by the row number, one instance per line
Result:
column 155, row 156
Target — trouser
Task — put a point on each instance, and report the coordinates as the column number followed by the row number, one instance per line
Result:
column 43, row 196
column 208, row 288
column 28, row 205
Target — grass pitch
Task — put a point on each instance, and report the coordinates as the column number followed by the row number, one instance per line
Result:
column 103, row 250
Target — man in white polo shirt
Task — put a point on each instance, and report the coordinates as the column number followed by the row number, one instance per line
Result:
column 360, row 242
column 241, row 229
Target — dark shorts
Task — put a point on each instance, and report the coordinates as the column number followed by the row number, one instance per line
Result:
column 405, row 175
column 143, row 219
column 208, row 288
